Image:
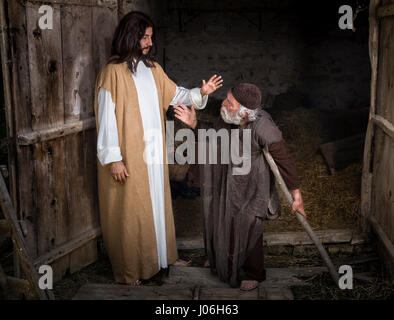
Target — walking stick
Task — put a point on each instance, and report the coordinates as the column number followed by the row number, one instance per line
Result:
column 301, row 218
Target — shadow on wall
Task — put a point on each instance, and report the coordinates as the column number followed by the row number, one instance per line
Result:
column 283, row 48
column 154, row 8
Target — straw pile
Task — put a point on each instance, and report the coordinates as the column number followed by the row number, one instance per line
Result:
column 331, row 201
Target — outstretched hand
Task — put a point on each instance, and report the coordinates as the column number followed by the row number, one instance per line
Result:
column 214, row 83
column 186, row 115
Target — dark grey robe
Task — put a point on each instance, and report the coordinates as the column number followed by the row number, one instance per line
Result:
column 242, row 200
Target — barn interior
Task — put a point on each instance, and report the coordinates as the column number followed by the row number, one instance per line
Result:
column 315, row 82
column 315, row 79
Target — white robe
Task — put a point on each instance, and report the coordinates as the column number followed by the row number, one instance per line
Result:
column 108, row 144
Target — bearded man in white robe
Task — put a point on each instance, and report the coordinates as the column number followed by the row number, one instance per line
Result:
column 132, row 95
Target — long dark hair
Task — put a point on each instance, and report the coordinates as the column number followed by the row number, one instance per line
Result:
column 126, row 41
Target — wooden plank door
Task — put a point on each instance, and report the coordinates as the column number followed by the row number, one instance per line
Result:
column 50, row 75
column 378, row 171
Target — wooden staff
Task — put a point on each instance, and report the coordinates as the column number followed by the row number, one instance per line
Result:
column 301, row 218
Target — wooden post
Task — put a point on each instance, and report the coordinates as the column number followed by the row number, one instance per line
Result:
column 7, row 66
column 301, row 218
column 367, row 174
column 17, row 239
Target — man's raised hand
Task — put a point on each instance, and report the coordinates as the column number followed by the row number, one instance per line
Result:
column 186, row 115
column 214, row 83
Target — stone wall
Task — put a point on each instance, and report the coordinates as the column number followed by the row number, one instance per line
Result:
column 294, row 51
column 154, row 8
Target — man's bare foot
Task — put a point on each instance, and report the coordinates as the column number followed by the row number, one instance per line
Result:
column 181, row 263
column 247, row 285
column 207, row 264
column 135, row 283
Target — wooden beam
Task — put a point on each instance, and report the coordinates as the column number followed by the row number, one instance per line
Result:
column 56, row 132
column 8, row 81
column 118, row 291
column 6, row 70
column 291, row 238
column 366, row 178
column 19, row 244
column 190, row 243
column 112, row 4
column 5, row 229
column 385, row 11
column 302, row 238
column 68, row 247
column 20, row 286
column 384, row 124
column 383, row 237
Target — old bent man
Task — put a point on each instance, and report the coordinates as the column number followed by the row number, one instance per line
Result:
column 235, row 205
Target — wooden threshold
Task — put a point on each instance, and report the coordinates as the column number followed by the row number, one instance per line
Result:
column 292, row 238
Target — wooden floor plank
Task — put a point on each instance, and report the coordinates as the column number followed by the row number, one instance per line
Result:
column 194, row 276
column 265, row 291
column 291, row 238
column 188, row 283
column 302, row 238
column 204, row 278
column 227, row 294
column 268, row 292
column 124, row 292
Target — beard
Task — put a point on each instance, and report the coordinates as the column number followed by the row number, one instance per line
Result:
column 140, row 56
column 143, row 56
column 146, row 54
column 230, row 117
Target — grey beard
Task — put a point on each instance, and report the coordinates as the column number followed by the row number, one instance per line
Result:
column 230, row 118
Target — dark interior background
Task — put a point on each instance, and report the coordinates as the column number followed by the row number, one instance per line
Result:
column 293, row 50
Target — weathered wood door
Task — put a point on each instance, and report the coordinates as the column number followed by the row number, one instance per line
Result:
column 378, row 172
column 50, row 75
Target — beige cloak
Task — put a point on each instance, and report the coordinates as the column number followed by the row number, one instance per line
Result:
column 126, row 213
